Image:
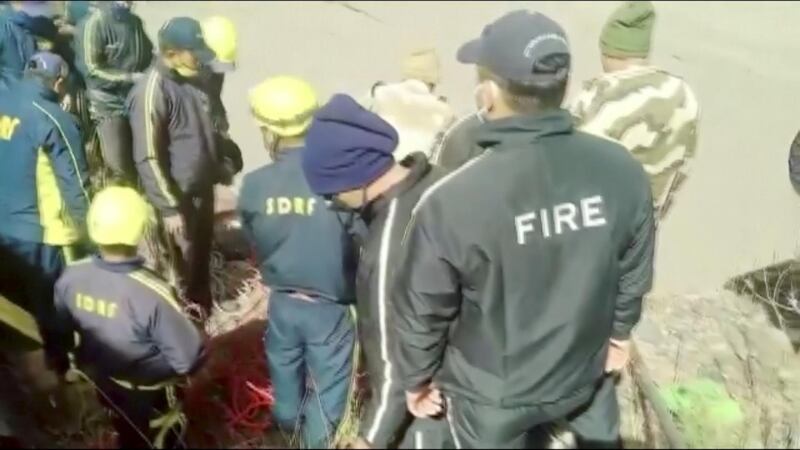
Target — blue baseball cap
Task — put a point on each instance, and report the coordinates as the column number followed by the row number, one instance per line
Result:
column 517, row 48
column 49, row 63
column 185, row 33
column 38, row 8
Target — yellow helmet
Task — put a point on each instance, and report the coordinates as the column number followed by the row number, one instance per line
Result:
column 221, row 37
column 284, row 105
column 118, row 216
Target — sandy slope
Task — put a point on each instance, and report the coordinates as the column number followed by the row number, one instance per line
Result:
column 737, row 211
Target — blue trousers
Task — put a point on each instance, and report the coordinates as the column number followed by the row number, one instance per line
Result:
column 310, row 349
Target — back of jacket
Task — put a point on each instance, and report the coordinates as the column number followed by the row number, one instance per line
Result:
column 110, row 49
column 524, row 263
column 300, row 243
column 129, row 324
column 44, row 176
column 17, row 45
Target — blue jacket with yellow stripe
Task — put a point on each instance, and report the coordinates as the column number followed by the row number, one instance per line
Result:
column 44, row 177
column 128, row 323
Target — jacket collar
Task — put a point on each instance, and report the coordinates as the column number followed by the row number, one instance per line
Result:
column 128, row 266
column 524, row 128
column 38, row 89
column 419, row 167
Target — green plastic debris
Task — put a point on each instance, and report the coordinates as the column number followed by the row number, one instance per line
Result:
column 708, row 416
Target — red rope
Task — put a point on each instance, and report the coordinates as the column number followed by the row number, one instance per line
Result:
column 234, row 386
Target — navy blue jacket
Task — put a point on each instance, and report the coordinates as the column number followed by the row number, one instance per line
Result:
column 17, row 45
column 300, row 243
column 129, row 324
column 44, row 178
column 174, row 143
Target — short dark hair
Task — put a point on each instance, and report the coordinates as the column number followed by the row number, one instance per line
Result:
column 530, row 99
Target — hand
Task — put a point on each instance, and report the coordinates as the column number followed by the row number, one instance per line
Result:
column 175, row 225
column 425, row 402
column 360, row 443
column 66, row 103
column 619, row 354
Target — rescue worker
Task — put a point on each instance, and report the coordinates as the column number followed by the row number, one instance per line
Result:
column 221, row 37
column 175, row 150
column 307, row 258
column 458, row 145
column 19, row 29
column 43, row 189
column 114, row 51
column 348, row 158
column 133, row 340
column 651, row 112
column 526, row 267
column 412, row 107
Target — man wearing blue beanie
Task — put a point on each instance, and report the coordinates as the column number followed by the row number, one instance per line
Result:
column 348, row 160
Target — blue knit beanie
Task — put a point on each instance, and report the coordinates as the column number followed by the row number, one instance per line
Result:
column 347, row 147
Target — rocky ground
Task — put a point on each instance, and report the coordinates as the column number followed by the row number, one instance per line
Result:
column 726, row 340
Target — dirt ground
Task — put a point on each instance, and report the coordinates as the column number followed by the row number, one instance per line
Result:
column 737, row 212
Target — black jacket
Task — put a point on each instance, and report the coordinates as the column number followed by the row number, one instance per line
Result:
column 174, row 140
column 458, row 144
column 386, row 219
column 523, row 264
column 110, row 50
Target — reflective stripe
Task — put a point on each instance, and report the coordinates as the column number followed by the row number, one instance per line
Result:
column 383, row 261
column 158, row 286
column 69, row 147
column 451, row 423
column 418, row 444
column 437, row 152
column 88, row 50
column 140, row 387
column 150, row 137
column 432, row 188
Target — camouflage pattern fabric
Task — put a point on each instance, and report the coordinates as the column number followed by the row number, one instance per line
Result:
column 651, row 113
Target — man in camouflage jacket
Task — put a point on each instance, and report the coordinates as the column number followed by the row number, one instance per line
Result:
column 649, row 111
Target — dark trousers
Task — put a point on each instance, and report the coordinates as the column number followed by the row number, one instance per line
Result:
column 310, row 349
column 592, row 417
column 190, row 254
column 143, row 418
column 116, row 147
column 28, row 273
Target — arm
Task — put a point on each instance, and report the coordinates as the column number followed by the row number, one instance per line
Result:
column 636, row 266
column 685, row 136
column 62, row 142
column 94, row 43
column 176, row 338
column 149, row 116
column 427, row 300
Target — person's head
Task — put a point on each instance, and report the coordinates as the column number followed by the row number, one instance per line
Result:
column 50, row 70
column 422, row 64
column 283, row 107
column 182, row 47
column 220, row 35
column 117, row 220
column 348, row 153
column 46, row 9
column 523, row 64
column 120, row 9
column 627, row 36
